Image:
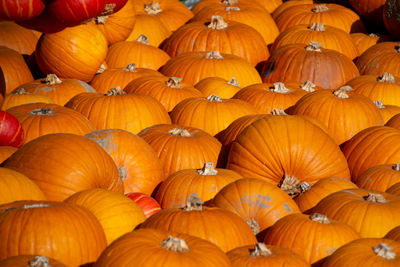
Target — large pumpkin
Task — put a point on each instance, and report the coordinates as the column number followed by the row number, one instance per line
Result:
column 21, row 9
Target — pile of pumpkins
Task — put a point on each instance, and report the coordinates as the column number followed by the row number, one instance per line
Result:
column 235, row 133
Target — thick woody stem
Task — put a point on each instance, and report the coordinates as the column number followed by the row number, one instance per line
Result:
column 319, row 218
column 375, row 198
column 174, row 82
column 230, row 2
column 52, row 79
column 255, row 227
column 373, row 34
column 320, row 8
column 261, row 250
column 308, row 86
column 34, row 206
column 152, row 9
column 386, row 78
column 208, row 169
column 379, row 104
column 143, row 39
column 213, row 55
column 304, row 187
column 217, row 23
column 108, row 9
column 396, row 167
column 290, row 184
column 193, row 203
column 122, row 172
column 180, row 132
column 317, row 27
column 175, row 244
column 19, row 91
column 343, row 92
column 385, row 251
column 115, row 91
column 314, row 46
column 214, row 98
column 232, row 8
column 233, row 82
column 279, row 87
column 101, row 69
column 130, row 68
column 39, row 261
column 42, row 111
column 278, row 111
column 101, row 19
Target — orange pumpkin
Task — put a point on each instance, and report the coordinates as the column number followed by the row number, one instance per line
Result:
column 228, row 3
column 18, row 38
column 364, row 41
column 379, row 177
column 394, row 234
column 30, row 260
column 286, row 4
column 218, row 86
column 150, row 26
column 21, row 97
column 394, row 189
column 387, row 111
column 6, row 152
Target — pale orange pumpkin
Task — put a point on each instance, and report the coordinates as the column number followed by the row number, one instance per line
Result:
column 218, row 86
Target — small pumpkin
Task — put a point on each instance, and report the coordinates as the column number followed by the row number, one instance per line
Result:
column 21, row 97
column 218, row 86
column 11, row 131
column 150, row 26
column 387, row 111
column 364, row 41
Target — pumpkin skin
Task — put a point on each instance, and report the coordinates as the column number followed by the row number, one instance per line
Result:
column 369, row 10
column 25, row 260
column 366, row 251
column 205, row 183
column 11, row 131
column 285, row 5
column 60, row 179
column 6, row 152
column 394, row 234
column 387, row 111
column 182, row 147
column 21, row 9
column 169, row 91
column 134, row 248
column 256, row 201
column 283, row 65
column 75, row 52
column 218, row 86
column 394, row 122
column 330, row 37
column 308, row 154
column 316, row 236
column 391, row 17
column 18, row 38
column 116, row 213
column 150, row 26
column 211, row 114
column 136, row 160
column 15, row 186
column 330, row 14
column 105, row 111
column 21, row 97
column 371, row 213
column 265, row 255
column 212, row 224
column 38, row 119
column 56, row 219
column 148, row 204
column 226, row 4
column 119, row 77
column 380, row 58
column 58, row 90
column 46, row 22
column 364, row 41
column 310, row 195
column 216, row 34
column 394, row 189
column 212, row 64
column 379, row 177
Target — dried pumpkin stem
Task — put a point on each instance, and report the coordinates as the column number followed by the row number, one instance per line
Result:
column 290, row 184
column 122, row 172
column 320, row 8
column 175, row 244
column 42, row 111
column 35, row 206
column 213, row 55
column 386, row 78
column 19, row 91
column 101, row 69
column 317, row 27
column 280, row 88
column 308, row 86
column 229, row 2
column 261, row 250
column 39, row 261
column 214, row 98
column 143, row 39
column 379, row 104
column 152, row 9
column 180, row 132
column 232, row 8
column 304, row 187
column 373, row 34
column 396, row 167
column 385, row 251
column 319, row 218
column 208, row 169
column 115, row 91
column 343, row 92
column 255, row 227
column 101, row 19
column 52, row 79
column 217, row 23
column 278, row 111
column 375, row 198
column 174, row 82
column 108, row 9
column 130, row 68
column 314, row 46
column 193, row 203
column 233, row 82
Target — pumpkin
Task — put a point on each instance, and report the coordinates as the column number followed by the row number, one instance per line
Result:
column 139, row 51
column 21, row 9
column 330, row 14
column 328, row 36
column 14, row 68
column 370, row 11
column 18, row 38
column 59, row 166
column 380, row 58
column 167, row 249
column 379, row 252
column 11, row 131
column 228, row 3
column 387, row 111
column 169, row 91
column 286, row 4
column 138, row 164
column 148, row 204
column 364, row 41
column 371, row 213
column 6, row 152
column 256, row 201
column 39, row 119
column 21, row 97
column 211, row 114
column 205, row 183
column 116, row 213
column 182, row 147
column 391, row 17
column 15, row 186
column 30, row 260
column 150, row 26
column 394, row 122
column 117, row 26
column 343, row 112
column 310, row 195
column 394, row 189
column 218, row 86
column 379, row 177
column 118, row 110
column 75, row 52
column 212, row 224
column 394, row 234
column 265, row 255
column 312, row 236
column 215, row 34
column 299, row 62
column 61, row 225
column 276, row 153
column 211, row 64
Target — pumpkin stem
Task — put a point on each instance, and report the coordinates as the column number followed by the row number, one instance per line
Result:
column 230, row 2
column 308, row 86
column 39, row 261
column 233, row 82
column 280, row 88
column 260, row 250
column 232, row 8
column 115, row 91
column 290, row 184
column 317, row 27
column 122, row 172
column 101, row 19
column 108, row 9
column 320, row 218
column 193, row 203
column 52, row 79
column 320, row 8
column 386, row 78
column 152, row 9
column 101, row 69
column 379, row 104
column 314, row 46
column 396, row 167
column 213, row 55
column 34, row 206
column 214, row 98
column 278, row 111
column 143, row 39
column 180, row 132
column 175, row 244
column 208, row 169
column 19, row 91
column 42, row 111
column 304, row 187
column 217, row 23
column 342, row 92
column 385, row 251
column 373, row 34
column 130, row 68
column 174, row 82
column 375, row 198
column 255, row 227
